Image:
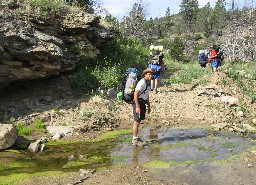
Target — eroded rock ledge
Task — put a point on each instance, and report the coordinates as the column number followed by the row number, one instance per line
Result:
column 35, row 46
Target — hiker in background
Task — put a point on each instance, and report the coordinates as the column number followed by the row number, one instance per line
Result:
column 141, row 99
column 156, row 63
column 213, row 59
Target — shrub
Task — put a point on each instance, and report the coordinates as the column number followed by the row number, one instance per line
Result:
column 86, row 81
column 176, row 48
column 108, row 76
column 106, row 70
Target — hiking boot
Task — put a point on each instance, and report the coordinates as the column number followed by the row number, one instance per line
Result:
column 137, row 142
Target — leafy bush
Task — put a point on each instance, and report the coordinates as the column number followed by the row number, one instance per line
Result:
column 124, row 52
column 106, row 70
column 108, row 77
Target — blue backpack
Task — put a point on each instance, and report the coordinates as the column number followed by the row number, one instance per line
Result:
column 202, row 58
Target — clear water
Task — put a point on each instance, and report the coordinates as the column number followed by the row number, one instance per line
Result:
column 177, row 145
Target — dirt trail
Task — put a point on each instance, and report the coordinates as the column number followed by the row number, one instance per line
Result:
column 191, row 105
column 184, row 105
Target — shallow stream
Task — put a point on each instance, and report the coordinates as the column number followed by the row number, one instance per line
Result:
column 165, row 147
column 181, row 145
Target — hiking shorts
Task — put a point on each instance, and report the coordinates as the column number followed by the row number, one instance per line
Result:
column 141, row 116
column 215, row 63
column 156, row 74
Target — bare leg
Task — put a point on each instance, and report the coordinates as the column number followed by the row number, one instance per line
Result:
column 156, row 84
column 152, row 84
column 135, row 128
column 215, row 69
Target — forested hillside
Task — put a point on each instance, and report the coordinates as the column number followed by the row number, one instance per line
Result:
column 227, row 24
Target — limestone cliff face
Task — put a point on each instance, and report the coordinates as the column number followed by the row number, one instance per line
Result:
column 35, row 46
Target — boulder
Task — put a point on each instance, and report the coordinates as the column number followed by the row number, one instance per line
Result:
column 8, row 135
column 229, row 100
column 34, row 147
column 111, row 93
column 62, row 130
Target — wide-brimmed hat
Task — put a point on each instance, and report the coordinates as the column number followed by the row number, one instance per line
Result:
column 148, row 70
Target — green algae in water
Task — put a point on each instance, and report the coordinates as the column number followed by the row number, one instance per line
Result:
column 157, row 164
column 73, row 164
column 112, row 135
column 105, row 136
column 179, row 145
column 56, row 154
column 228, row 145
column 118, row 157
column 166, row 164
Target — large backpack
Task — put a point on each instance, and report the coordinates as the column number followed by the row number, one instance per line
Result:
column 131, row 77
column 220, row 54
column 202, row 57
column 156, row 54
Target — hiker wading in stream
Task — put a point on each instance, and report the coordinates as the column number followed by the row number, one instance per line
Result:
column 141, row 99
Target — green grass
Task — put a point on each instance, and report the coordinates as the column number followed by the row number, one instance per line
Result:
column 39, row 124
column 245, row 82
column 185, row 73
column 23, row 130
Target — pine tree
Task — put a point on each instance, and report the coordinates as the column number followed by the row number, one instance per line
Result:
column 203, row 20
column 189, row 10
column 219, row 16
column 167, row 23
column 134, row 23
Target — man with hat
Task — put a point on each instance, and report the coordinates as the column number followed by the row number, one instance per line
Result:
column 141, row 99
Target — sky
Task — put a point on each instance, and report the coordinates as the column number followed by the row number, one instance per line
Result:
column 155, row 8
